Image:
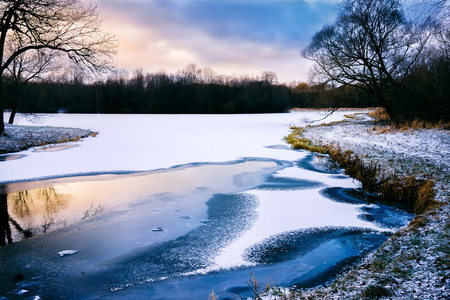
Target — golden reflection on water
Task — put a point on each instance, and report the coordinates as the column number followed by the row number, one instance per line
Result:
column 42, row 206
column 43, row 201
column 33, row 211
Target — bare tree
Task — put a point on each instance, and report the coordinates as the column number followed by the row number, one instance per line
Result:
column 439, row 12
column 29, row 66
column 269, row 77
column 190, row 74
column 371, row 46
column 65, row 26
column 209, row 75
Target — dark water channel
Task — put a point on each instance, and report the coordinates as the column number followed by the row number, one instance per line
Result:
column 174, row 234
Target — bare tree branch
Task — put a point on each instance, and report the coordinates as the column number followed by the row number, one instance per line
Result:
column 64, row 26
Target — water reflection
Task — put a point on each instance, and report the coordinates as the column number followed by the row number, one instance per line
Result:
column 178, row 233
column 53, row 148
column 44, row 201
column 8, row 157
column 38, row 207
column 30, row 212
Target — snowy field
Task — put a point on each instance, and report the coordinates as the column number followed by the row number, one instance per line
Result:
column 215, row 198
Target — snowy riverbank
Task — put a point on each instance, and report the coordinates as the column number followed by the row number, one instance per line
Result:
column 415, row 262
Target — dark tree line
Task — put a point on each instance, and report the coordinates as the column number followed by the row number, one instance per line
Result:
column 191, row 90
column 306, row 95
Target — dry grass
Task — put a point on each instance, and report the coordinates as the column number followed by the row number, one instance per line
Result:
column 418, row 194
column 380, row 116
column 415, row 124
column 298, row 142
column 355, row 167
column 213, row 296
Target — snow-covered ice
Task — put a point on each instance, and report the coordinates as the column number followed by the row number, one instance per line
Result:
column 150, row 142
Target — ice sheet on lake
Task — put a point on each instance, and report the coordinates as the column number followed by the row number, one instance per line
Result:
column 149, row 142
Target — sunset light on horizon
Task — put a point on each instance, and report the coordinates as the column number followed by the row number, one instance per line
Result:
column 232, row 37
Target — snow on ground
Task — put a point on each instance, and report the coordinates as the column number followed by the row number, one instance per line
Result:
column 422, row 153
column 150, row 142
column 415, row 262
column 19, row 138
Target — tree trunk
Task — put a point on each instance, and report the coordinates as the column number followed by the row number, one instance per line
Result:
column 14, row 104
column 389, row 109
column 2, row 125
column 12, row 115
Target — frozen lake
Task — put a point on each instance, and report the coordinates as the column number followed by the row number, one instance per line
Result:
column 175, row 206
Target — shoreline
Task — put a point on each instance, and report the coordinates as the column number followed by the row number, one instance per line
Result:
column 414, row 263
column 18, row 138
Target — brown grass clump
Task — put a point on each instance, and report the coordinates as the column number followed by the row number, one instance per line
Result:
column 419, row 221
column 403, row 124
column 425, row 197
column 356, row 168
column 213, row 296
column 415, row 124
column 380, row 115
column 417, row 193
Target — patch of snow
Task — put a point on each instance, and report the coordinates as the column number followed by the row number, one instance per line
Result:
column 19, row 292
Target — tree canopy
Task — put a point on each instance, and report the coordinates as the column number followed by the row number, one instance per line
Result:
column 371, row 46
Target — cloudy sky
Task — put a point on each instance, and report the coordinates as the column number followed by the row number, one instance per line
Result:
column 231, row 36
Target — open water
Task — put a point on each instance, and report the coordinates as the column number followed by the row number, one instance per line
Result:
column 183, row 232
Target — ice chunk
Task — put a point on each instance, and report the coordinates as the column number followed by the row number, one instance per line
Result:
column 19, row 292
column 67, row 252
